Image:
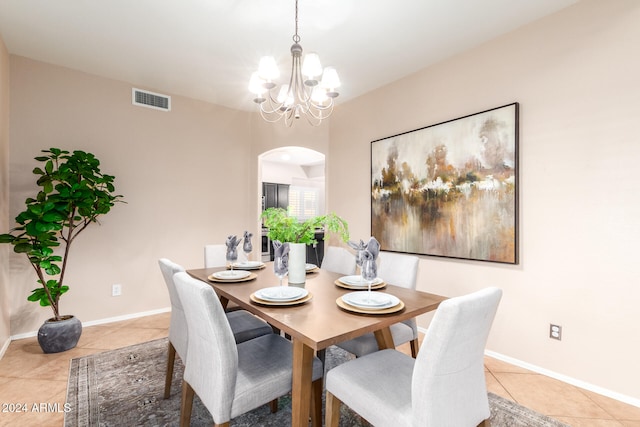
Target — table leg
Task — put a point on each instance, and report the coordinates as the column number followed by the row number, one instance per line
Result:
column 224, row 302
column 301, row 387
column 384, row 338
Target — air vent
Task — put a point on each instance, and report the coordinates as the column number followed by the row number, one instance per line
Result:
column 148, row 99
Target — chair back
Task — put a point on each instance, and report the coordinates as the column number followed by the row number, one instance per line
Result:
column 339, row 260
column 178, row 334
column 212, row 359
column 398, row 269
column 216, row 255
column 448, row 384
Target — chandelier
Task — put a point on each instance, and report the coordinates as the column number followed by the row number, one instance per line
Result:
column 310, row 92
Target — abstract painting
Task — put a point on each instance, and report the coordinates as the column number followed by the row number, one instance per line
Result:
column 450, row 189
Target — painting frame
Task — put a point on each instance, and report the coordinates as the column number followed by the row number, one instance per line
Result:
column 450, row 189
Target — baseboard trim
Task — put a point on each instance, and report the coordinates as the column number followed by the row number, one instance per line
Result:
column 561, row 377
column 5, row 346
column 100, row 321
column 566, row 379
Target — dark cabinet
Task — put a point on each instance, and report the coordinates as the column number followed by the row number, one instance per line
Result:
column 275, row 195
column 315, row 253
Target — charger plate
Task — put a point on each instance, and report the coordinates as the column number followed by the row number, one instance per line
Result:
column 257, row 300
column 311, row 268
column 380, row 285
column 353, row 309
column 249, row 265
column 251, row 276
column 281, row 293
column 371, row 301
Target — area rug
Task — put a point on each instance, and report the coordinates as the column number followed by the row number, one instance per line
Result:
column 124, row 387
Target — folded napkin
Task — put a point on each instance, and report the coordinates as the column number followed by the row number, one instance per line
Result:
column 369, row 266
column 232, row 247
column 359, row 248
column 373, row 246
column 281, row 250
column 247, row 246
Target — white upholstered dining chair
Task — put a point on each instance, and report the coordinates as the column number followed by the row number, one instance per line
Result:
column 399, row 270
column 232, row 379
column 444, row 386
column 244, row 325
column 338, row 260
column 216, row 255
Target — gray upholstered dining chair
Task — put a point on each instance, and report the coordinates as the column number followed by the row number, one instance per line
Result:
column 399, row 270
column 338, row 260
column 444, row 386
column 232, row 379
column 244, row 325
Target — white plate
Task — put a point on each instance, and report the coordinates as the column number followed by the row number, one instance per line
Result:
column 375, row 301
column 357, row 281
column 281, row 293
column 249, row 265
column 310, row 267
column 231, row 274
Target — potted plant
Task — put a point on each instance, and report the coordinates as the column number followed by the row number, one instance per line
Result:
column 285, row 228
column 73, row 194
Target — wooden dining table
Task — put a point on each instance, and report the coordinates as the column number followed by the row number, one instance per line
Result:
column 317, row 323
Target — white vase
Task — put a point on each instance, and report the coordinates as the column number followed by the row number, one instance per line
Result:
column 297, row 263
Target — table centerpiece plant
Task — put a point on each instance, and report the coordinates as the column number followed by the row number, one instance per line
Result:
column 285, row 228
column 73, row 194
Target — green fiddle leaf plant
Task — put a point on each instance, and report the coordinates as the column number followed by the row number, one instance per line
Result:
column 285, row 228
column 73, row 194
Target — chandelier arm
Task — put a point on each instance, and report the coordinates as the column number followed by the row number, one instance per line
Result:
column 267, row 116
column 312, row 120
column 274, row 109
column 321, row 107
column 289, row 117
column 320, row 114
column 273, row 106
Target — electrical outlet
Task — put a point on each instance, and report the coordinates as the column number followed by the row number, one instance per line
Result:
column 555, row 332
column 116, row 290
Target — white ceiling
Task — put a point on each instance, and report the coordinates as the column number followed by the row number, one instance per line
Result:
column 294, row 156
column 207, row 49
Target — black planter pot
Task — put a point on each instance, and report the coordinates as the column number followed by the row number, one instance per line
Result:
column 55, row 336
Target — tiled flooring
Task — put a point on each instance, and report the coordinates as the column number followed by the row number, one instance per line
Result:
column 28, row 377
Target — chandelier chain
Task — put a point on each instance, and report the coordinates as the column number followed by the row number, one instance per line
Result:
column 296, row 37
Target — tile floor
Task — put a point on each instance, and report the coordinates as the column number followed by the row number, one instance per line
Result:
column 39, row 381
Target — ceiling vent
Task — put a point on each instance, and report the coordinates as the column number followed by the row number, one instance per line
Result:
column 144, row 98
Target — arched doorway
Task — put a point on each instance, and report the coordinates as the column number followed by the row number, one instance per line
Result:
column 292, row 178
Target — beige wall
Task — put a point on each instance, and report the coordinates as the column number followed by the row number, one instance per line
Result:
column 4, row 195
column 189, row 176
column 182, row 173
column 575, row 75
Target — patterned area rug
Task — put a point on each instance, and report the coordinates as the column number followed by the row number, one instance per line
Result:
column 124, row 387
